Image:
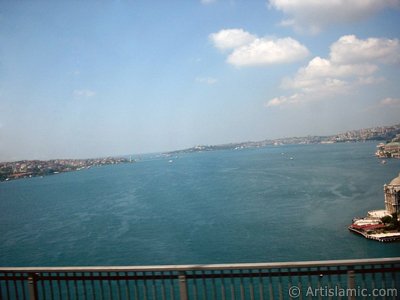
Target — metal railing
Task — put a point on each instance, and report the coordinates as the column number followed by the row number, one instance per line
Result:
column 336, row 279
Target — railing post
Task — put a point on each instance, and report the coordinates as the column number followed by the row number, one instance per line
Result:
column 32, row 287
column 351, row 285
column 183, row 294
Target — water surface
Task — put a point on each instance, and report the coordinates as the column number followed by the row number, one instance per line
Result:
column 255, row 205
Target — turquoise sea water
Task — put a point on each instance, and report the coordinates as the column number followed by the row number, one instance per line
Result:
column 254, row 205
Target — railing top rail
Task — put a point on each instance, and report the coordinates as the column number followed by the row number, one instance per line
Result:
column 204, row 267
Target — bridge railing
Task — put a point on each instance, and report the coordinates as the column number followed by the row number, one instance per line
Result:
column 336, row 279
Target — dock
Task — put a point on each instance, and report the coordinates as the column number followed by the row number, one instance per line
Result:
column 380, row 237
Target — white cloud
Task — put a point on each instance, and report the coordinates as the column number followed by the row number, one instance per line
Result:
column 350, row 49
column 390, row 102
column 370, row 80
column 324, row 78
column 322, row 89
column 320, row 69
column 249, row 50
column 265, row 52
column 283, row 100
column 206, row 80
column 314, row 15
column 231, row 38
column 84, row 93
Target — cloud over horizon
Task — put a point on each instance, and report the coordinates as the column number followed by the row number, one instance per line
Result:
column 250, row 50
column 341, row 72
column 389, row 101
column 313, row 16
column 350, row 49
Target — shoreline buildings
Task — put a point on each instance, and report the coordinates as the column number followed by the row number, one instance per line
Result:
column 382, row 225
column 389, row 150
column 34, row 168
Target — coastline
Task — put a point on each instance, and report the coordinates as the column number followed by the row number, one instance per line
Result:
column 383, row 237
column 39, row 168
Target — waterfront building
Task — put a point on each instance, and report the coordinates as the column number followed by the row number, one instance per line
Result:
column 392, row 196
column 393, row 148
column 374, row 226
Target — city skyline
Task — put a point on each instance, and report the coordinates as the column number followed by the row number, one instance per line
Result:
column 97, row 79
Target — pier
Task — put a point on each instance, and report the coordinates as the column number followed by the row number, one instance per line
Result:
column 380, row 237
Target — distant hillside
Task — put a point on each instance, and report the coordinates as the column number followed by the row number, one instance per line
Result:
column 385, row 133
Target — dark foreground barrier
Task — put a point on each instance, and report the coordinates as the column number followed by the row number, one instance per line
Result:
column 336, row 279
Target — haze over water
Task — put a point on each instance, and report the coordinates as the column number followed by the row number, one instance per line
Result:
column 254, row 205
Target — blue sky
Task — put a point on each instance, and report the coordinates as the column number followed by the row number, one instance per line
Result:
column 95, row 78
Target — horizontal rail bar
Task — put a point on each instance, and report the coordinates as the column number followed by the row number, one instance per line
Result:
column 280, row 273
column 205, row 267
column 213, row 281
